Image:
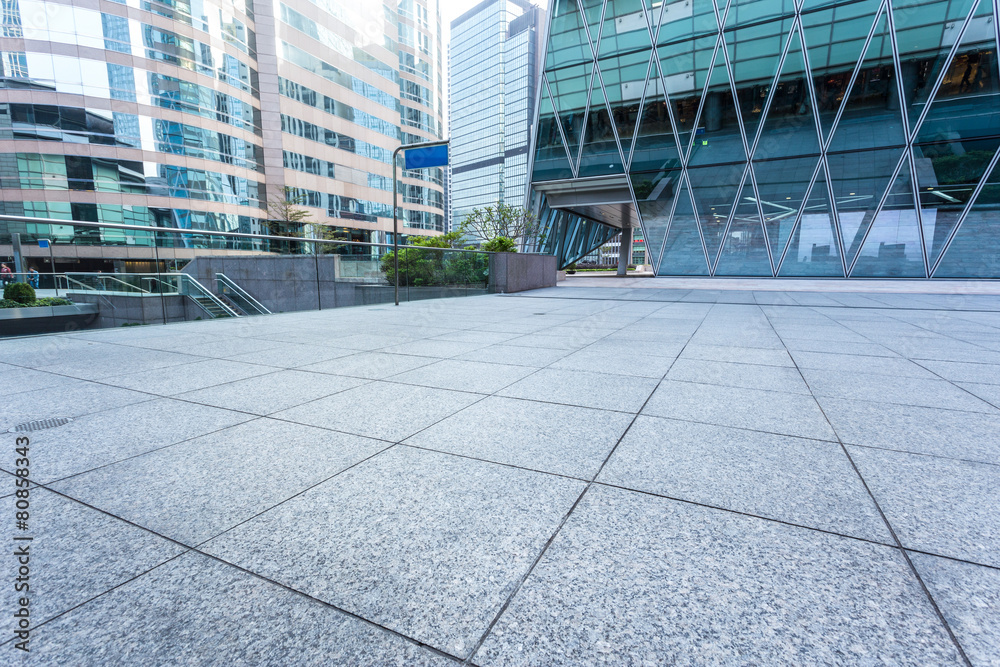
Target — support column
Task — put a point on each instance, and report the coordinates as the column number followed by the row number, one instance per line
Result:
column 625, row 249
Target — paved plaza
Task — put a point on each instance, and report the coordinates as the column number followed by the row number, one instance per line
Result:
column 615, row 473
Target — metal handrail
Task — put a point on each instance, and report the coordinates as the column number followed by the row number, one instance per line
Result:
column 183, row 277
column 226, row 282
column 104, row 278
column 85, row 286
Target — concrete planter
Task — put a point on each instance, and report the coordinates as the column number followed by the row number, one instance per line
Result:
column 516, row 272
column 46, row 319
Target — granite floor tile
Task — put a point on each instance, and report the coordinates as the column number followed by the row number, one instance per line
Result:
column 987, row 392
column 15, row 380
column 196, row 610
column 957, row 371
column 743, row 355
column 536, row 357
column 625, row 362
column 750, row 376
column 381, row 410
column 118, row 433
column 292, row 355
column 102, row 361
column 636, row 579
column 969, row 597
column 424, row 543
column 439, row 349
column 806, row 482
column 458, row 375
column 76, row 553
column 201, row 487
column 231, row 346
column 37, row 351
column 565, row 343
column 72, row 398
column 853, row 363
column 739, row 407
column 838, row 347
column 942, row 506
column 562, row 439
column 273, row 392
column 368, row 342
column 589, row 390
column 369, row 365
column 188, row 377
column 890, row 389
column 951, row 433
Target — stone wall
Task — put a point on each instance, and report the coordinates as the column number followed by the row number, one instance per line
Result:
column 517, row 272
column 118, row 309
column 281, row 284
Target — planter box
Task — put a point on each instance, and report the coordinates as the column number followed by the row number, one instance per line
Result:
column 517, row 272
column 46, row 319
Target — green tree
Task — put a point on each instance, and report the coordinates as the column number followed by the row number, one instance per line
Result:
column 286, row 217
column 500, row 220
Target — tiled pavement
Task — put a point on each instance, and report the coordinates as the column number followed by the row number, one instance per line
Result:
column 572, row 476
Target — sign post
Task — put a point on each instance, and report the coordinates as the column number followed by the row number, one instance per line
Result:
column 45, row 243
column 415, row 156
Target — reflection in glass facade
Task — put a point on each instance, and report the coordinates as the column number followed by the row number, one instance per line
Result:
column 196, row 113
column 493, row 69
column 854, row 138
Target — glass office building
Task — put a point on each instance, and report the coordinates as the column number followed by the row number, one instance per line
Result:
column 193, row 114
column 775, row 137
column 493, row 70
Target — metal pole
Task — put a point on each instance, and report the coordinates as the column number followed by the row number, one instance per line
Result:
column 55, row 279
column 395, row 225
column 159, row 282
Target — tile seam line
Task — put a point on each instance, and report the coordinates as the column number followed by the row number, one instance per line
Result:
column 888, row 525
column 140, row 454
column 185, row 550
column 195, row 549
column 844, row 306
column 541, row 554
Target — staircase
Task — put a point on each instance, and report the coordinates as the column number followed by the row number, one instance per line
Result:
column 211, row 306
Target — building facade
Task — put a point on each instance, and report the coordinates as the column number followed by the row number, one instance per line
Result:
column 853, row 138
column 493, row 69
column 196, row 114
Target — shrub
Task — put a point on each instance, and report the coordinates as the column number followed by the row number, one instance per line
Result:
column 500, row 244
column 23, row 293
column 52, row 301
column 571, row 268
column 10, row 303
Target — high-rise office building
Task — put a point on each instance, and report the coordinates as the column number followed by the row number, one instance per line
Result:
column 492, row 68
column 856, row 138
column 195, row 114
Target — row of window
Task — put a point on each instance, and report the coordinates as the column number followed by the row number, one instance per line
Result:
column 306, row 130
column 311, row 63
column 97, row 78
column 96, row 126
column 83, row 173
column 339, row 206
column 334, row 41
column 119, row 82
column 318, row 167
column 412, row 194
column 306, row 95
column 129, row 215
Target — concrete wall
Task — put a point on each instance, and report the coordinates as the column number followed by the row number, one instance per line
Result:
column 281, row 284
column 517, row 272
column 118, row 309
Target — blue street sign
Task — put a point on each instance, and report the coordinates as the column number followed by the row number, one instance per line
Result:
column 43, row 243
column 423, row 158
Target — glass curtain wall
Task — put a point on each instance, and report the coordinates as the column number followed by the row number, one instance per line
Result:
column 783, row 137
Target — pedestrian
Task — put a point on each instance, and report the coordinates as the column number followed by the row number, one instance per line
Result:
column 33, row 277
column 6, row 276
